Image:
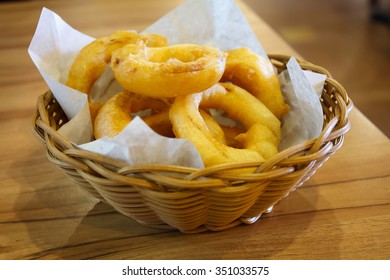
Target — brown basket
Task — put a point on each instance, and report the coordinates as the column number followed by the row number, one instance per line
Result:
column 194, row 200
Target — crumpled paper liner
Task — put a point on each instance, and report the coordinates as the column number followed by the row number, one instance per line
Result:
column 213, row 22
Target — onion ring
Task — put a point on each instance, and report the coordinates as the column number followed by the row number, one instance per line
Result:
column 255, row 74
column 167, row 71
column 93, row 58
column 256, row 117
column 115, row 114
column 91, row 61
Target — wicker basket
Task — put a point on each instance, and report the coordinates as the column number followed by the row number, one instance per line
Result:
column 194, row 200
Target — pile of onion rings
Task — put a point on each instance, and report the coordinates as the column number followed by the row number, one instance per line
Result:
column 228, row 104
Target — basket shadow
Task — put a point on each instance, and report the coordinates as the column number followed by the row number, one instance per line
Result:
column 106, row 234
column 47, row 210
column 58, row 218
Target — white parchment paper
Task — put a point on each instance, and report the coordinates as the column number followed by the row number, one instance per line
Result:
column 215, row 22
column 302, row 90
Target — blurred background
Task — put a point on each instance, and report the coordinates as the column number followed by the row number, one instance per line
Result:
column 350, row 38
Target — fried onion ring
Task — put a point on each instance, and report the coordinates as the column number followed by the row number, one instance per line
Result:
column 255, row 74
column 167, row 71
column 188, row 123
column 92, row 60
column 116, row 113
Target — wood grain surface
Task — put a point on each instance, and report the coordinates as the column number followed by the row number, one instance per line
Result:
column 342, row 212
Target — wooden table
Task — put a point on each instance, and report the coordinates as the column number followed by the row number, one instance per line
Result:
column 343, row 212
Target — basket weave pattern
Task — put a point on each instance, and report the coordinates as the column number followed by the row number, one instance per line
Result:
column 194, row 200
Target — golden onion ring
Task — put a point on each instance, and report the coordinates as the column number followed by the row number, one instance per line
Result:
column 188, row 123
column 92, row 59
column 167, row 71
column 116, row 113
column 255, row 74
